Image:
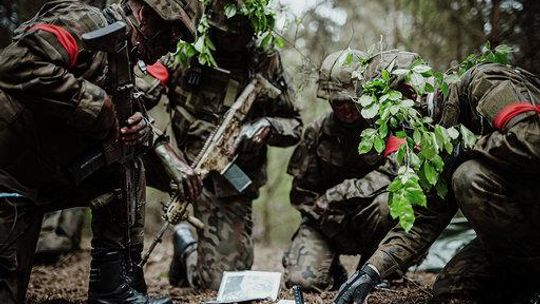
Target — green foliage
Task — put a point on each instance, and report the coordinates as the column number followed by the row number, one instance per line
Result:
column 500, row 54
column 426, row 145
column 261, row 17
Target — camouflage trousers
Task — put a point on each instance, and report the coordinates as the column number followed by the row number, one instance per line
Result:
column 312, row 258
column 225, row 243
column 20, row 225
column 498, row 193
column 61, row 231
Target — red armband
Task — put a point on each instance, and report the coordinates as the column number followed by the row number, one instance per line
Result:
column 393, row 143
column 64, row 37
column 512, row 110
column 159, row 71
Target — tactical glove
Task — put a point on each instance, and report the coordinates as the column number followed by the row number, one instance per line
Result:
column 358, row 286
column 253, row 135
column 189, row 183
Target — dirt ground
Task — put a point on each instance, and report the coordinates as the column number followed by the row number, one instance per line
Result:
column 66, row 281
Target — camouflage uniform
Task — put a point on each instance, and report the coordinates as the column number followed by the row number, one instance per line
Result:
column 326, row 165
column 495, row 188
column 60, row 232
column 9, row 19
column 51, row 101
column 195, row 111
column 327, row 169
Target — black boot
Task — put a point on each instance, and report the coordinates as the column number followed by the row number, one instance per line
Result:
column 184, row 243
column 134, row 272
column 108, row 283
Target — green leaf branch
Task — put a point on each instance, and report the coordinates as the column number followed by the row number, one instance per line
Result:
column 421, row 158
column 261, row 17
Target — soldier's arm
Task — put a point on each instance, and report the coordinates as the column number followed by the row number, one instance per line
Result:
column 350, row 191
column 38, row 66
column 151, row 82
column 282, row 113
column 304, row 168
column 399, row 249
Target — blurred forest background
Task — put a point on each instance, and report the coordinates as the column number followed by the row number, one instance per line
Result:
column 442, row 31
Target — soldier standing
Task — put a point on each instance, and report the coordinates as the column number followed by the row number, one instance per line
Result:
column 199, row 97
column 340, row 193
column 54, row 109
column 495, row 187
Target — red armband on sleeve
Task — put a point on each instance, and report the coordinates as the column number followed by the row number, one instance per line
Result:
column 159, row 71
column 393, row 144
column 512, row 110
column 64, row 37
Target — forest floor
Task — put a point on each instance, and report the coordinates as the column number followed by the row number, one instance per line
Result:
column 66, row 280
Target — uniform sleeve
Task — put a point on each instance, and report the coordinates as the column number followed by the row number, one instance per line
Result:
column 150, row 86
column 348, row 192
column 282, row 113
column 399, row 249
column 36, row 68
column 304, row 167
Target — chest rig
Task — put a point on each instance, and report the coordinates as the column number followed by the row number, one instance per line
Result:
column 208, row 92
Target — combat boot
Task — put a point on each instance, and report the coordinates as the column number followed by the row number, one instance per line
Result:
column 134, row 272
column 108, row 283
column 184, row 243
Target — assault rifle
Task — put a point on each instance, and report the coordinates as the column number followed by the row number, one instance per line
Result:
column 112, row 39
column 215, row 154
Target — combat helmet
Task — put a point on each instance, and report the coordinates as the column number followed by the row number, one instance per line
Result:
column 387, row 60
column 188, row 12
column 336, row 79
column 396, row 59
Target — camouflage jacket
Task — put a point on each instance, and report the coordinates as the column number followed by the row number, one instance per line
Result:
column 52, row 89
column 199, row 97
column 326, row 165
column 476, row 101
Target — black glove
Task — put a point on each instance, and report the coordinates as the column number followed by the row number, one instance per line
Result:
column 358, row 286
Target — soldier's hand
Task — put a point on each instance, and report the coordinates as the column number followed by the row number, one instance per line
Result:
column 137, row 131
column 358, row 286
column 252, row 136
column 189, row 183
column 321, row 205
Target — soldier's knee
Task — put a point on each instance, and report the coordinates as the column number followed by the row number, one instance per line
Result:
column 210, row 278
column 465, row 181
column 210, row 274
column 307, row 280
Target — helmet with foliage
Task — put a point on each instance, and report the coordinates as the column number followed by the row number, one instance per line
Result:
column 387, row 60
column 336, row 75
column 188, row 12
column 395, row 61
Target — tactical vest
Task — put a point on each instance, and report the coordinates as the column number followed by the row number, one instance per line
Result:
column 337, row 148
column 199, row 98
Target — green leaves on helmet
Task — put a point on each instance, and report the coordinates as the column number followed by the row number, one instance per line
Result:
column 261, row 18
